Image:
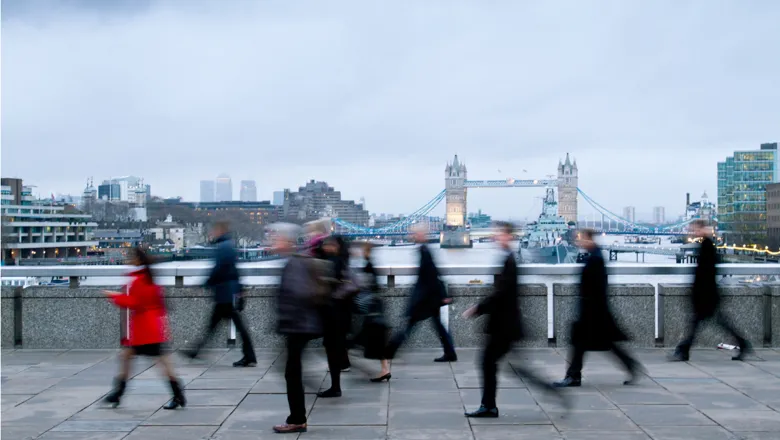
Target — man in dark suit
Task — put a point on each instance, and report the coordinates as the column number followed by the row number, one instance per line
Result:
column 504, row 326
column 595, row 329
column 428, row 295
column 705, row 297
column 224, row 281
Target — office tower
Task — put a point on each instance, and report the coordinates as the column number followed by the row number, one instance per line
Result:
column 207, row 191
column 224, row 188
column 248, row 191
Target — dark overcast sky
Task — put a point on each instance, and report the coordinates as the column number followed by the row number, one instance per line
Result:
column 375, row 97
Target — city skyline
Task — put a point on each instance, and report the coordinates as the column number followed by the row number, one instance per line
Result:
column 383, row 115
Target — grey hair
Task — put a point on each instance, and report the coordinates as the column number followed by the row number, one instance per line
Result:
column 321, row 226
column 289, row 231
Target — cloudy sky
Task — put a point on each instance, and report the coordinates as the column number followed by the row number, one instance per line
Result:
column 376, row 97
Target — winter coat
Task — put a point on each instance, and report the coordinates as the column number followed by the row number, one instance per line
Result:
column 224, row 276
column 705, row 295
column 501, row 307
column 148, row 316
column 428, row 292
column 298, row 311
column 595, row 329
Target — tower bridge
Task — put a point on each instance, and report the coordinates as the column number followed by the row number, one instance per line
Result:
column 455, row 196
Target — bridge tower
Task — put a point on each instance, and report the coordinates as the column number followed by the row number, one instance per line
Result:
column 567, row 189
column 455, row 186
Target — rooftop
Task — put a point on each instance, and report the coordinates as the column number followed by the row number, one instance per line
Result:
column 56, row 395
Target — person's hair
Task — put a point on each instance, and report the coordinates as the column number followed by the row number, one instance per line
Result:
column 321, row 226
column 287, row 231
column 144, row 260
column 341, row 259
column 587, row 234
column 699, row 223
column 367, row 248
column 505, row 227
column 221, row 225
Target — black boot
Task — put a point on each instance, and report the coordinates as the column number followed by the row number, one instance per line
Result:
column 115, row 395
column 178, row 396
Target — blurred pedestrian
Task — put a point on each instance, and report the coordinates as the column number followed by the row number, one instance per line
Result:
column 425, row 302
column 595, row 329
column 148, row 329
column 299, row 318
column 705, row 298
column 504, row 327
column 373, row 333
column 337, row 314
column 224, row 281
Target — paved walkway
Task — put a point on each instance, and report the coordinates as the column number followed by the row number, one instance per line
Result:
column 55, row 395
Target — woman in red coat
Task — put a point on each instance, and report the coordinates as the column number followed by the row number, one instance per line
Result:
column 148, row 328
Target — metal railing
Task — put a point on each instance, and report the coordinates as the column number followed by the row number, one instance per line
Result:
column 179, row 272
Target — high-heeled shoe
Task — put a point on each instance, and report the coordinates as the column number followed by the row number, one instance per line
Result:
column 386, row 377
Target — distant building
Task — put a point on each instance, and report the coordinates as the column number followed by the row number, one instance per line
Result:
column 224, row 188
column 742, row 187
column 629, row 213
column 44, row 232
column 171, row 231
column 14, row 192
column 248, row 191
column 278, row 198
column 118, row 238
column 703, row 209
column 207, row 191
column 125, row 189
column 773, row 215
column 659, row 215
column 316, row 200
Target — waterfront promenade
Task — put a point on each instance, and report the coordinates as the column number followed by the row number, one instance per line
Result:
column 55, row 395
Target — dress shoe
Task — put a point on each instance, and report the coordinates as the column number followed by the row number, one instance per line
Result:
column 483, row 413
column 678, row 356
column 447, row 358
column 744, row 348
column 386, row 377
column 175, row 403
column 330, row 392
column 287, row 428
column 243, row 362
column 568, row 382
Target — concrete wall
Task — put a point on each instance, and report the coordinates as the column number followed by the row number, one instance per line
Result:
column 632, row 305
column 744, row 307
column 7, row 317
column 775, row 315
column 59, row 317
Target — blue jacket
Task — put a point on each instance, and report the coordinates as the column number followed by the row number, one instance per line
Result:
column 224, row 276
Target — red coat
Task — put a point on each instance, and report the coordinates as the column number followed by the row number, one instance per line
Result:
column 148, row 317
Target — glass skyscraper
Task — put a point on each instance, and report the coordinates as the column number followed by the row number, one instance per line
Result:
column 742, row 181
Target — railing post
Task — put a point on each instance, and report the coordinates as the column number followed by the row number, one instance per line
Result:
column 391, row 281
column 74, row 282
column 178, row 281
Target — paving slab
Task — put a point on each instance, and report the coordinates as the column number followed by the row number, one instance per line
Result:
column 52, row 394
column 172, row 433
column 515, row 432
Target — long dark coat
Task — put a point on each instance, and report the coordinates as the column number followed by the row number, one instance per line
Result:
column 705, row 295
column 428, row 293
column 595, row 328
column 502, row 307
